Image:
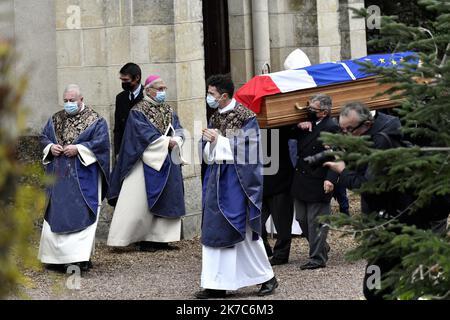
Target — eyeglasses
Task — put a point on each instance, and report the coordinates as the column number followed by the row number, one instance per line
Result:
column 311, row 109
column 160, row 89
column 350, row 129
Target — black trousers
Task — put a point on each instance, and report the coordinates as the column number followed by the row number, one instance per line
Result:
column 281, row 208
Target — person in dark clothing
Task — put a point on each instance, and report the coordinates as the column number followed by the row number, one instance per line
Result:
column 132, row 93
column 340, row 195
column 277, row 201
column 356, row 119
column 385, row 132
column 312, row 187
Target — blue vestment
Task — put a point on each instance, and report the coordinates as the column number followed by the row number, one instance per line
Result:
column 73, row 200
column 232, row 192
column 164, row 188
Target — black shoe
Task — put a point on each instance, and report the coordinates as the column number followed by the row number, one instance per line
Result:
column 268, row 287
column 56, row 267
column 165, row 246
column 84, row 266
column 311, row 266
column 276, row 262
column 211, row 294
column 147, row 246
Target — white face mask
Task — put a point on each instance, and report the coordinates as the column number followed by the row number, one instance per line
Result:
column 212, row 102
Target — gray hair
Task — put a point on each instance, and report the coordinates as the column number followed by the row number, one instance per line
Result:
column 73, row 87
column 360, row 109
column 325, row 101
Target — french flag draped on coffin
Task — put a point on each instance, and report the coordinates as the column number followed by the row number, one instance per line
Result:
column 252, row 92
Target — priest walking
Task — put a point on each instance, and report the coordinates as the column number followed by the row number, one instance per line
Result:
column 76, row 153
column 146, row 183
column 233, row 251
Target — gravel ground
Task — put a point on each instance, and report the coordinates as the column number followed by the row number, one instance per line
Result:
column 175, row 275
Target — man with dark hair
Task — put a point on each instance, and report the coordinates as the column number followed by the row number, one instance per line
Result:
column 132, row 93
column 312, row 187
column 233, row 252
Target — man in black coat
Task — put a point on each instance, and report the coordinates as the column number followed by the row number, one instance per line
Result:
column 385, row 133
column 277, row 201
column 132, row 93
column 312, row 187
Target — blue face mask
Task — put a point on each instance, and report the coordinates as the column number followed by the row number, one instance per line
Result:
column 212, row 102
column 160, row 96
column 71, row 107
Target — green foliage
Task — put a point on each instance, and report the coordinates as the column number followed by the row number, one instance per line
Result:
column 21, row 198
column 425, row 115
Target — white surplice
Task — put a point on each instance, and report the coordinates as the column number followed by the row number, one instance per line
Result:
column 57, row 248
column 132, row 221
column 246, row 263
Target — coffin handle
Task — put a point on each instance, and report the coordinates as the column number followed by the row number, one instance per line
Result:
column 300, row 108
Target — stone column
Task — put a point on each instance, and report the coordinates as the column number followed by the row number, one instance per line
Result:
column 353, row 31
column 328, row 30
column 261, row 39
column 293, row 24
column 241, row 40
column 190, row 83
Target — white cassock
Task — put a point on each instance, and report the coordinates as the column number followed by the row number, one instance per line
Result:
column 57, row 248
column 246, row 263
column 132, row 221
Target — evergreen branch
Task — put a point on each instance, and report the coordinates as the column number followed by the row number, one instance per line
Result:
column 435, row 149
column 380, row 226
column 444, row 297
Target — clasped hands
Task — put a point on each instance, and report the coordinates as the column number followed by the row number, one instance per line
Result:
column 69, row 151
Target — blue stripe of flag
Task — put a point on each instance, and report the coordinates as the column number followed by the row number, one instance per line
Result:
column 328, row 73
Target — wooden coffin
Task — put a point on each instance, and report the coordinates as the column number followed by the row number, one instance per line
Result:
column 290, row 108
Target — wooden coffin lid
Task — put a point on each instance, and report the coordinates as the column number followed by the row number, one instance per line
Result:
column 290, row 108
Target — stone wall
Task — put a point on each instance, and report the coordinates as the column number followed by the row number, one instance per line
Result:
column 94, row 39
column 36, row 53
column 163, row 37
column 324, row 29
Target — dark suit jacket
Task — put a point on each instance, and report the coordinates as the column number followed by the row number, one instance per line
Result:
column 308, row 180
column 281, row 181
column 123, row 107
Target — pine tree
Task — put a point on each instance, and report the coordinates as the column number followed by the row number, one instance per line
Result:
column 423, row 89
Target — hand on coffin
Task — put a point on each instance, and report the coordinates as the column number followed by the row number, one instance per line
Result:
column 70, row 151
column 56, row 150
column 307, row 125
column 337, row 167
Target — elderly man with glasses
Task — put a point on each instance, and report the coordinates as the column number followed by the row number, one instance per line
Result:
column 313, row 186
